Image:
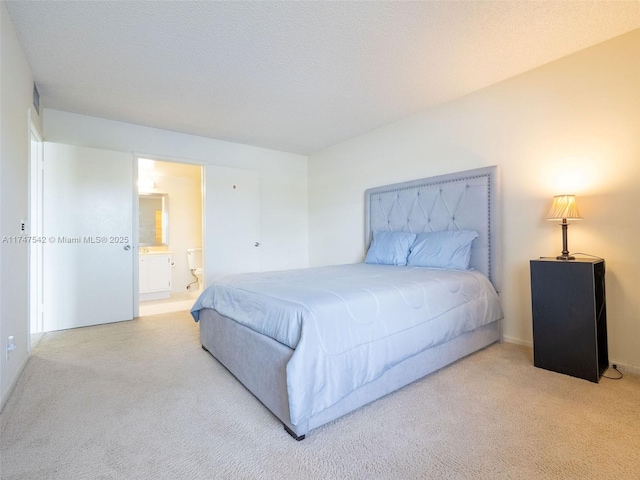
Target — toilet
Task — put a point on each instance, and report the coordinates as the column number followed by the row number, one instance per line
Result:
column 194, row 257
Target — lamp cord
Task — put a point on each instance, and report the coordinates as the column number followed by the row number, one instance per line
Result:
column 587, row 255
column 615, row 367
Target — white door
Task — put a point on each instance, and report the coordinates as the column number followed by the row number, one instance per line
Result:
column 88, row 224
column 232, row 221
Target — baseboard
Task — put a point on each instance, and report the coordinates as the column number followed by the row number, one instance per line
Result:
column 13, row 383
column 517, row 341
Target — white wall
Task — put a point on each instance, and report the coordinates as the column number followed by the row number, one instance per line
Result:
column 572, row 126
column 283, row 176
column 16, row 87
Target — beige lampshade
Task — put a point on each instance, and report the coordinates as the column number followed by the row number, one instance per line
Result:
column 564, row 207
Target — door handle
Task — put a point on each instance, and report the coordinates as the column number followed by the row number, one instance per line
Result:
column 127, row 247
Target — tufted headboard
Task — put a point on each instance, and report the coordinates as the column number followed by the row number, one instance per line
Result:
column 468, row 200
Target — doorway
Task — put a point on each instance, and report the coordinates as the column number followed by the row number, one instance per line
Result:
column 170, row 223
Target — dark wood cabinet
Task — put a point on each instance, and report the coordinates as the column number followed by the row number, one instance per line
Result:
column 570, row 316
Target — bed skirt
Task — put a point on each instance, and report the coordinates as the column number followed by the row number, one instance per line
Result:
column 259, row 363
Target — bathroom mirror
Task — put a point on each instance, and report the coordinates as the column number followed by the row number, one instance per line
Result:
column 153, row 219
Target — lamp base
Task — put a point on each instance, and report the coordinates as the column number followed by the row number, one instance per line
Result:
column 565, row 250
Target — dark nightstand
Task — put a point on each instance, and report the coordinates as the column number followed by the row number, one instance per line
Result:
column 569, row 316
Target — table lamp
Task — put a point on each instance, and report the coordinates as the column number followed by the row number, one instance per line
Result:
column 564, row 207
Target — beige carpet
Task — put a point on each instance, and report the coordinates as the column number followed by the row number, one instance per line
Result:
column 142, row 400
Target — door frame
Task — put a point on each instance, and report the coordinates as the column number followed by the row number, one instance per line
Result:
column 135, row 239
column 34, row 229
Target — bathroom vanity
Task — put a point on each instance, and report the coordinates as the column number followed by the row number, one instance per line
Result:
column 155, row 275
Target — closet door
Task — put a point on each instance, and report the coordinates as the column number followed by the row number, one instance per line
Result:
column 232, row 221
column 88, row 226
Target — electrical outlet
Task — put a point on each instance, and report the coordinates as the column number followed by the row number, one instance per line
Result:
column 622, row 368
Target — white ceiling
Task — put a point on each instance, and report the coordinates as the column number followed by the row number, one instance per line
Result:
column 292, row 76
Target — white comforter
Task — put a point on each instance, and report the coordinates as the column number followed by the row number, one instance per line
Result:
column 348, row 324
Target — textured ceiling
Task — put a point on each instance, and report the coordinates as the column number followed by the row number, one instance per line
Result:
column 292, row 76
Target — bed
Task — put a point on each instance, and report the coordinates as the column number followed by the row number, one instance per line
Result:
column 315, row 344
